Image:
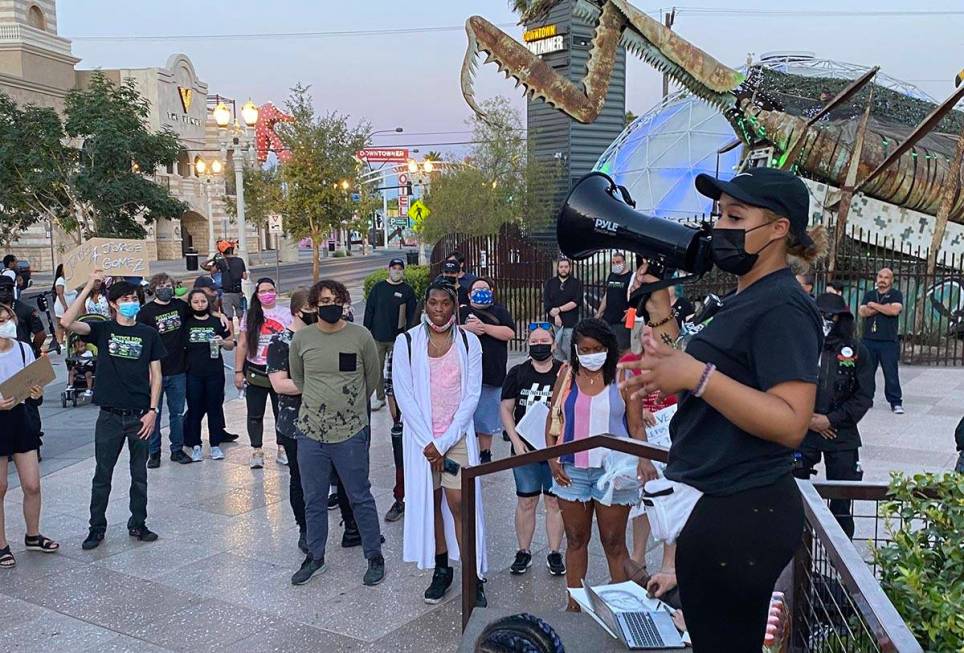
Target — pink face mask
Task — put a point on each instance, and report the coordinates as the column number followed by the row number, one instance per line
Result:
column 268, row 298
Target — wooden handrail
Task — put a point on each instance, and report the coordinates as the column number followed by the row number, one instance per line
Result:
column 882, row 618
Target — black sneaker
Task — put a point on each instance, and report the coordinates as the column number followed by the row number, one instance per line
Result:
column 376, row 571
column 523, row 560
column 143, row 533
column 303, row 541
column 441, row 582
column 555, row 564
column 332, row 501
column 395, row 512
column 154, row 460
column 309, row 568
column 94, row 538
column 352, row 536
column 229, row 437
column 180, row 457
column 480, row 600
column 485, row 456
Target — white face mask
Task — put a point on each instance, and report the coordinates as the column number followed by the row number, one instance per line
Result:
column 593, row 362
column 8, row 330
column 395, row 275
column 618, row 268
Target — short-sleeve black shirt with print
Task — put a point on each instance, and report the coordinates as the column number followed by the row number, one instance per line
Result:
column 617, row 300
column 198, row 334
column 879, row 326
column 168, row 319
column 526, row 387
column 124, row 357
column 288, row 405
column 495, row 352
column 768, row 334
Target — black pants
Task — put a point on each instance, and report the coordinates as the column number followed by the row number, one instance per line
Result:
column 296, row 493
column 728, row 558
column 256, row 399
column 109, row 436
column 841, row 466
column 205, row 395
column 886, row 353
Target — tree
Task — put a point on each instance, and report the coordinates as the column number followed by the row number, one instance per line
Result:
column 499, row 182
column 262, row 195
column 319, row 176
column 630, row 117
column 433, row 155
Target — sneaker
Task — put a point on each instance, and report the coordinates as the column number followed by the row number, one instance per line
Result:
column 88, row 394
column 94, row 538
column 897, row 409
column 142, row 533
column 181, row 457
column 352, row 536
column 303, row 542
column 378, row 405
column 523, row 560
column 555, row 564
column 309, row 568
column 216, row 453
column 197, row 454
column 68, row 388
column 154, row 460
column 395, row 512
column 332, row 501
column 480, row 600
column 257, row 459
column 282, row 457
column 376, row 571
column 441, row 582
column 485, row 456
column 229, row 437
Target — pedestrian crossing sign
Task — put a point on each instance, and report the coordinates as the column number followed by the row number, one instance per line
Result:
column 418, row 212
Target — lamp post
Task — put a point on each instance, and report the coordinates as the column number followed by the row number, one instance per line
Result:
column 207, row 172
column 239, row 141
column 397, row 130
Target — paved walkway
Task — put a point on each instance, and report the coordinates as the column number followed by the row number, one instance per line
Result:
column 219, row 576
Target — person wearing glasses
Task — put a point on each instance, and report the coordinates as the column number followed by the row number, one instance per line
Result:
column 526, row 385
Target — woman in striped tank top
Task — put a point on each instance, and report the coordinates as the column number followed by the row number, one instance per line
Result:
column 593, row 404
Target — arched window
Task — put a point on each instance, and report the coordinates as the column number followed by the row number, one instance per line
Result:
column 183, row 164
column 35, row 18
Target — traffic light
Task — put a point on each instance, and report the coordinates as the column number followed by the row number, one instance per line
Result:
column 408, row 187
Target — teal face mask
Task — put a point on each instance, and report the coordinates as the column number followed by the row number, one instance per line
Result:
column 129, row 309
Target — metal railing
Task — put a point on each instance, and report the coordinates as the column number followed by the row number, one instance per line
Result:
column 836, row 603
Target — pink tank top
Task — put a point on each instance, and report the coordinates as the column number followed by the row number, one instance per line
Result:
column 445, row 378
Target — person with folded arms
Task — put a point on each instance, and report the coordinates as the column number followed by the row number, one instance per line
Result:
column 747, row 382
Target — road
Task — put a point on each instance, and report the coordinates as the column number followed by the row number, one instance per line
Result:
column 69, row 432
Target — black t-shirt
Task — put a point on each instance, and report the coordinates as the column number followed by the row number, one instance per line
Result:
column 616, row 299
column 495, row 352
column 526, row 386
column 882, row 327
column 288, row 405
column 232, row 270
column 168, row 319
column 124, row 357
column 28, row 321
column 387, row 305
column 769, row 334
column 558, row 292
column 199, row 334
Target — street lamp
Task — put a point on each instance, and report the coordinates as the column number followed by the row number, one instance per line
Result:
column 239, row 141
column 397, row 130
column 207, row 171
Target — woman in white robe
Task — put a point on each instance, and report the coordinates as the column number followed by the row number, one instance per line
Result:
column 411, row 380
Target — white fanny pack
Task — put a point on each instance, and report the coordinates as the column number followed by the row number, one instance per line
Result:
column 668, row 505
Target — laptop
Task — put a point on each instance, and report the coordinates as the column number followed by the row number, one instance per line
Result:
column 646, row 629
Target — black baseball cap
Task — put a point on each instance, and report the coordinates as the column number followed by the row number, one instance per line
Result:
column 768, row 188
column 205, row 282
column 830, row 304
column 396, row 261
column 451, row 266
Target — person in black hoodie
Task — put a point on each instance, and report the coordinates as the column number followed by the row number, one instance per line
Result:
column 845, row 392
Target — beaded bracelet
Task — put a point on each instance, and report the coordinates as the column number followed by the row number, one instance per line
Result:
column 704, row 380
column 656, row 325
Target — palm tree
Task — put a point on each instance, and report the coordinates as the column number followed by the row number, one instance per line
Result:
column 432, row 155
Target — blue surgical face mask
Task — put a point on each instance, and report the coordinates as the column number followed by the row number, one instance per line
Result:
column 481, row 297
column 129, row 309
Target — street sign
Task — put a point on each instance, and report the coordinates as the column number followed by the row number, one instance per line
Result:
column 400, row 222
column 418, row 211
column 403, row 184
column 383, row 154
column 403, row 205
column 356, row 197
column 275, row 224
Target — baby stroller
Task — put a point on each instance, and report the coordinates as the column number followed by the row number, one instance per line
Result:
column 81, row 365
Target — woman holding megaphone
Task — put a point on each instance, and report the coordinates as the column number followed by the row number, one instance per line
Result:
column 746, row 378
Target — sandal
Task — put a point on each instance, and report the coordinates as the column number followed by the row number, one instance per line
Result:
column 636, row 572
column 7, row 561
column 40, row 543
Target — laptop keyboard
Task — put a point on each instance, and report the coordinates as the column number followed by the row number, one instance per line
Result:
column 642, row 629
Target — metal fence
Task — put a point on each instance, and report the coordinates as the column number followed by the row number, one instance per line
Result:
column 931, row 324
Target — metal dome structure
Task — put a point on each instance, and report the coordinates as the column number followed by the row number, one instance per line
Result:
column 659, row 154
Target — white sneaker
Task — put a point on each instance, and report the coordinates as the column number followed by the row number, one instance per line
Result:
column 216, row 453
column 196, row 454
column 88, row 393
column 257, row 459
column 378, row 405
column 282, row 457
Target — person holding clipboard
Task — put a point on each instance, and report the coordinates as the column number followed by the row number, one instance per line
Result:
column 19, row 439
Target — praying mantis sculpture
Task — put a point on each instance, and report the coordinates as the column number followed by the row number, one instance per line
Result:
column 914, row 180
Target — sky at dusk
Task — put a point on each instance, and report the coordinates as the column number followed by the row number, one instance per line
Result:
column 412, row 80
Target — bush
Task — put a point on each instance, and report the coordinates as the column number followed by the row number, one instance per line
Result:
column 923, row 567
column 340, row 253
column 417, row 276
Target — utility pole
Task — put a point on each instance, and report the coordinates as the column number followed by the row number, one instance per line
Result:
column 668, row 21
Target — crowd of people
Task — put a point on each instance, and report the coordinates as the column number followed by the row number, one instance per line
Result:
column 746, row 395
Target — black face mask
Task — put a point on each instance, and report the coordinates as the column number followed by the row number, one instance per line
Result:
column 309, row 317
column 330, row 313
column 164, row 293
column 540, row 352
column 6, row 297
column 729, row 250
column 201, row 313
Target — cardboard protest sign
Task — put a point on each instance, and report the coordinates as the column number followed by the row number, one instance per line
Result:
column 117, row 257
column 40, row 372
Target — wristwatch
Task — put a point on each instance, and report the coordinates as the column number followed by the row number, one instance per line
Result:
column 156, row 410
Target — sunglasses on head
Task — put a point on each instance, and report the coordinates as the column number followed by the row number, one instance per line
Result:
column 540, row 325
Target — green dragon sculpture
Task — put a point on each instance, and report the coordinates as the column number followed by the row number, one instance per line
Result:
column 913, row 181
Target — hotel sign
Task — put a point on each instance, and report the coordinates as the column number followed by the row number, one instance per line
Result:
column 544, row 40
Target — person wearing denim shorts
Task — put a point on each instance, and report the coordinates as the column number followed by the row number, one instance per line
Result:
column 526, row 385
column 592, row 404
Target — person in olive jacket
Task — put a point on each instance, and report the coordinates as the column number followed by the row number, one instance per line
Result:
column 845, row 392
